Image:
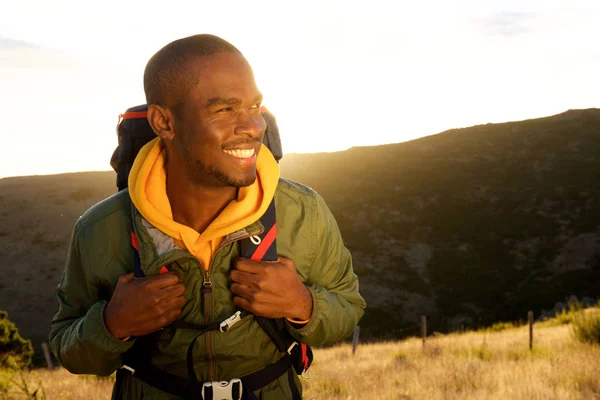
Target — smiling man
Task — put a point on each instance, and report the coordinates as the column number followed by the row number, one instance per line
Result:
column 197, row 194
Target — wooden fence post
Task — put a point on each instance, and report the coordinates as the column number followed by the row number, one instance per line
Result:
column 47, row 355
column 355, row 339
column 423, row 328
column 530, row 320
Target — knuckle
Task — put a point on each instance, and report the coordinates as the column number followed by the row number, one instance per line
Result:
column 261, row 283
column 257, row 297
column 159, row 309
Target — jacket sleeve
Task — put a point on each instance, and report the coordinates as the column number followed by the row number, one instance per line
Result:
column 337, row 304
column 78, row 336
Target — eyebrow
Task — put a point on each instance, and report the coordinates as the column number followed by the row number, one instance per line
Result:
column 230, row 101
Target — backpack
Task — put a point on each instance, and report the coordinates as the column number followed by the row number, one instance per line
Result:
column 134, row 131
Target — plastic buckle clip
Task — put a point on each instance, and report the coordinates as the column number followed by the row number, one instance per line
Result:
column 128, row 368
column 223, row 390
column 229, row 322
column 289, row 350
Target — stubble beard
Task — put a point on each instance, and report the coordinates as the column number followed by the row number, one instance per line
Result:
column 201, row 174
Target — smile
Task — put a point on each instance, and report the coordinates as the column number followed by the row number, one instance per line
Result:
column 241, row 153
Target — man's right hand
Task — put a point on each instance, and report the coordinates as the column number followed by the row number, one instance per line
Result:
column 141, row 306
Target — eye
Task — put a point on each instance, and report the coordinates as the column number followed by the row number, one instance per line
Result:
column 226, row 109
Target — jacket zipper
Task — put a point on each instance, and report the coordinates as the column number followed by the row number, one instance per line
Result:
column 206, row 298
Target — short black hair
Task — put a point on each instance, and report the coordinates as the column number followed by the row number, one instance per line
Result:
column 168, row 76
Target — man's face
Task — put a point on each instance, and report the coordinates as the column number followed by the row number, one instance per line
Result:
column 218, row 127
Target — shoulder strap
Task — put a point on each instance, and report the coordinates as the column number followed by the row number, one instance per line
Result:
column 263, row 246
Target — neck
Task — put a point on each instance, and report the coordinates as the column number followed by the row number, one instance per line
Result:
column 194, row 205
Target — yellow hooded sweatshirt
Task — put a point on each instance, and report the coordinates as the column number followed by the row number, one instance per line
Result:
column 148, row 192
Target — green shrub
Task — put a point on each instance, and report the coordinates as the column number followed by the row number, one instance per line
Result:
column 585, row 326
column 566, row 317
column 502, row 326
column 15, row 352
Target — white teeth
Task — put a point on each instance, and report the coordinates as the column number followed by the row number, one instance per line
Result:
column 239, row 153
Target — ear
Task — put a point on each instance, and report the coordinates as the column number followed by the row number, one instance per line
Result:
column 161, row 121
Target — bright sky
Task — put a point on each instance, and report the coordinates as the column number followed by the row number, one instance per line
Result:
column 336, row 74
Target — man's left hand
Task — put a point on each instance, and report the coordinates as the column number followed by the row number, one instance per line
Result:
column 270, row 289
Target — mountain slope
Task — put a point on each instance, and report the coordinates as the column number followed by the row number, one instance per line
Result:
column 469, row 226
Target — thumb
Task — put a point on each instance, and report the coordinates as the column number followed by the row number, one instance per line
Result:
column 123, row 279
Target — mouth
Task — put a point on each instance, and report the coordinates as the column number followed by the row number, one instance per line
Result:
column 243, row 154
column 245, row 158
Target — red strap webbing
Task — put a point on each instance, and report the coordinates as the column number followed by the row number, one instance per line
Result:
column 135, row 114
column 305, row 359
column 134, row 241
column 265, row 244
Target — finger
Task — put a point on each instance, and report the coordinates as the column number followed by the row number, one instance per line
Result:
column 243, row 291
column 164, row 280
column 247, row 265
column 163, row 309
column 176, row 303
column 123, row 279
column 243, row 304
column 288, row 262
column 171, row 292
column 244, row 278
column 169, row 318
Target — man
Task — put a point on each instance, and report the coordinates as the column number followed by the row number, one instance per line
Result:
column 193, row 193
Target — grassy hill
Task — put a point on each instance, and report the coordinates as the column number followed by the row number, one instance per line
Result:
column 488, row 364
column 469, row 226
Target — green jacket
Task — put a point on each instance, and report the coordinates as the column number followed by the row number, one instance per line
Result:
column 101, row 251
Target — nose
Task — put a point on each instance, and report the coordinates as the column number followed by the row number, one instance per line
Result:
column 250, row 123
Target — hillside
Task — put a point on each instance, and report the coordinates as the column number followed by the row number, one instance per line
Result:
column 472, row 225
column 469, row 226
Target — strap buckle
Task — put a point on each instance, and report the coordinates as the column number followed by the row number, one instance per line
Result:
column 289, row 350
column 223, row 390
column 128, row 368
column 229, row 322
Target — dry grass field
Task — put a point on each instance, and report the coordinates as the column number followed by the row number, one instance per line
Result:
column 472, row 365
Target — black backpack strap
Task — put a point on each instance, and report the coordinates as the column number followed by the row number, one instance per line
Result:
column 188, row 389
column 137, row 264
